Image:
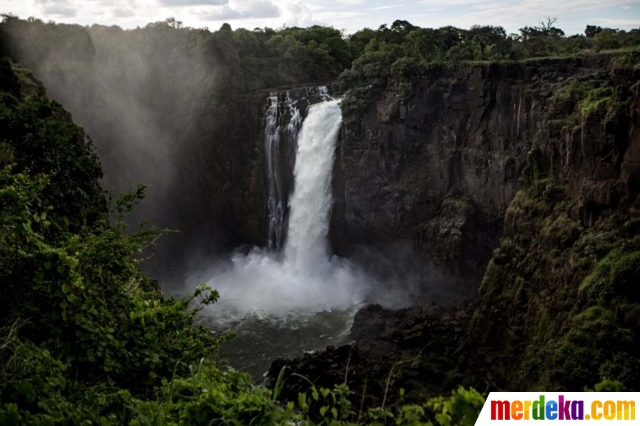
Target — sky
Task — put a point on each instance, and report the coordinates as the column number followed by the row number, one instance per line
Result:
column 348, row 15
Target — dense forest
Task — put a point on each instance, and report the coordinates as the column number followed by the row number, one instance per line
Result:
column 85, row 336
column 246, row 60
column 228, row 62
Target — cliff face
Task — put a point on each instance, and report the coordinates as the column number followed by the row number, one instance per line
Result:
column 559, row 300
column 438, row 160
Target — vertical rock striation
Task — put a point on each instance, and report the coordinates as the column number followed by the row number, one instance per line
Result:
column 438, row 163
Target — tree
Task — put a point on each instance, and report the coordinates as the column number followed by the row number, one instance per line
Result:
column 546, row 25
column 487, row 35
column 173, row 23
column 607, row 39
column 422, row 43
column 592, row 30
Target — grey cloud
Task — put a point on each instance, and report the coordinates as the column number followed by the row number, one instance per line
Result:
column 178, row 3
column 57, row 8
column 249, row 9
column 123, row 13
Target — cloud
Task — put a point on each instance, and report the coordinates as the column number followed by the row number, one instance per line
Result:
column 351, row 2
column 123, row 13
column 453, row 2
column 249, row 9
column 60, row 10
column 391, row 6
column 296, row 14
column 312, row 6
column 523, row 12
column 618, row 22
column 57, row 8
column 180, row 3
column 336, row 15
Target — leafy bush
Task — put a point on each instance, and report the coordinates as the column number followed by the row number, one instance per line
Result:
column 618, row 274
column 597, row 100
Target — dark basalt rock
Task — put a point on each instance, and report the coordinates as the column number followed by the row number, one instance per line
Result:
column 415, row 347
column 439, row 166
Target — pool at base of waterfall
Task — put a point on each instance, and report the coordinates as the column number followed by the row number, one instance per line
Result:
column 261, row 338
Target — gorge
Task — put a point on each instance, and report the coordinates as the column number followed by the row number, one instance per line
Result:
column 415, row 225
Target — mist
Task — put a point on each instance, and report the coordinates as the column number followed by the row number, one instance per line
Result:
column 139, row 96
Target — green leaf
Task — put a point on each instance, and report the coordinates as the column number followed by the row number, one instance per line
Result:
column 302, row 400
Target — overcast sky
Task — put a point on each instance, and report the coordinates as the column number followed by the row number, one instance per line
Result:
column 351, row 15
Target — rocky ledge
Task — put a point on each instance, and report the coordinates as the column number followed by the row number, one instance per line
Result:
column 412, row 349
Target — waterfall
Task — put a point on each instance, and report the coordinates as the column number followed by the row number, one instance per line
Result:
column 311, row 200
column 293, row 128
column 305, row 279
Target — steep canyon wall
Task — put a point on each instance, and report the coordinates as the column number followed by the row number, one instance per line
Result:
column 438, row 159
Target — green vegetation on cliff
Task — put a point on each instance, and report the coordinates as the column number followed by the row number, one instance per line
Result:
column 404, row 51
column 560, row 295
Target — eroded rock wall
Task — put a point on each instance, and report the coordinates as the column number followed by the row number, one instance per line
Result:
column 438, row 161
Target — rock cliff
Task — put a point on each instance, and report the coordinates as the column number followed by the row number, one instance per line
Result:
column 437, row 160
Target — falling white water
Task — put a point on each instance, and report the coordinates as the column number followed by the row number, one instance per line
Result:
column 306, row 279
column 293, row 128
column 311, row 201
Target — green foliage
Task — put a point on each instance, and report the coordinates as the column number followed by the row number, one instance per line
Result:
column 71, row 291
column 618, row 274
column 404, row 51
column 462, row 408
column 597, row 101
column 564, row 294
column 574, row 91
column 607, row 386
